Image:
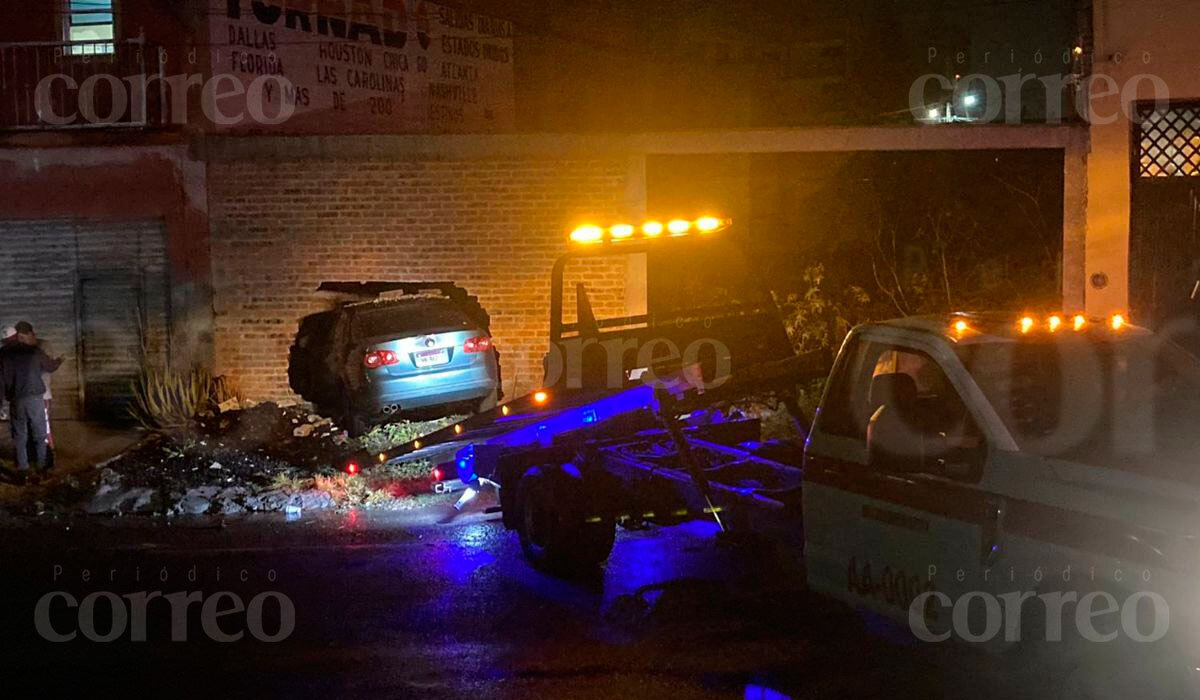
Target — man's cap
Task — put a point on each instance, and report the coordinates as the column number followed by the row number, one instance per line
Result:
column 8, row 332
column 24, row 327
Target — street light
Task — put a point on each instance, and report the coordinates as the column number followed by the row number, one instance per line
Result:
column 970, row 100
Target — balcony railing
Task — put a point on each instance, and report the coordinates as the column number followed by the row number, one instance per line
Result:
column 79, row 85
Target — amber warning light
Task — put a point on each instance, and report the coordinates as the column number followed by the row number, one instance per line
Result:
column 1077, row 322
column 618, row 233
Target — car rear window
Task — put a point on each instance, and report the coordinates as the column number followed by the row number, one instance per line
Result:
column 410, row 318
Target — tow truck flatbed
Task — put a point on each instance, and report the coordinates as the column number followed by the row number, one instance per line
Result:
column 663, row 444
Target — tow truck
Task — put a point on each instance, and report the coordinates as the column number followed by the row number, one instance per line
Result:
column 958, row 467
column 632, row 423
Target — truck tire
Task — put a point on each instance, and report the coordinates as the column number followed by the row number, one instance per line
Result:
column 556, row 529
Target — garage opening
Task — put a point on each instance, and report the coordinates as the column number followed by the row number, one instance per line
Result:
column 97, row 294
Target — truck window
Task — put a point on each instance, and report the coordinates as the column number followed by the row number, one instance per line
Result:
column 1126, row 404
column 842, row 410
column 939, row 409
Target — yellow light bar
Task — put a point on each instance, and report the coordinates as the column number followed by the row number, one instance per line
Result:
column 1054, row 322
column 588, row 234
column 1079, row 322
column 1117, row 322
column 540, row 397
column 621, row 231
column 678, row 227
column 1026, row 324
column 960, row 327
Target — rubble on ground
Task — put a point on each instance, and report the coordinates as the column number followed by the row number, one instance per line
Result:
column 266, row 458
column 112, row 497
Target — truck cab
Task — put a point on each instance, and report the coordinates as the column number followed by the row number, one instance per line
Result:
column 962, row 467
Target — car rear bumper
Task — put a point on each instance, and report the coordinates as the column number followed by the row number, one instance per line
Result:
column 422, row 391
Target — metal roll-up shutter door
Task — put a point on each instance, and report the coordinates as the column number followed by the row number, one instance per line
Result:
column 96, row 293
column 122, row 311
column 37, row 284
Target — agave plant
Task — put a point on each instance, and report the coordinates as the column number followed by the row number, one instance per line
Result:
column 166, row 400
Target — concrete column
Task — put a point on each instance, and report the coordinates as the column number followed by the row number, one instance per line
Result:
column 1075, row 202
column 192, row 275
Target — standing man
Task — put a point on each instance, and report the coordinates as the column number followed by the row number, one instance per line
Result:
column 26, row 335
column 21, row 368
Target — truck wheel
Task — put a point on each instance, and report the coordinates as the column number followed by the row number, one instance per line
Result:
column 556, row 530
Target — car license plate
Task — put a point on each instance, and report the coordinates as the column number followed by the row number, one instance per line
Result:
column 432, row 358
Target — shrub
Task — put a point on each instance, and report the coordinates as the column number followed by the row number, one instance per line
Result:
column 286, row 482
column 389, row 435
column 168, row 400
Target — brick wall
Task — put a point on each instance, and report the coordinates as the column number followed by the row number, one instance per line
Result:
column 494, row 227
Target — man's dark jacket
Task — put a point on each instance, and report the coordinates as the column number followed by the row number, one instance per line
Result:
column 21, row 368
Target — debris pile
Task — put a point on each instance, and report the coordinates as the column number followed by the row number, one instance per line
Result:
column 261, row 459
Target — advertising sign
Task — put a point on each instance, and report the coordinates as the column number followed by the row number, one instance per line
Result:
column 360, row 66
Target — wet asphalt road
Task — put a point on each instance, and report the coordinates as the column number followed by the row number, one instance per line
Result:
column 396, row 605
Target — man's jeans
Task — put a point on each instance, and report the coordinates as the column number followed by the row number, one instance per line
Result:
column 27, row 417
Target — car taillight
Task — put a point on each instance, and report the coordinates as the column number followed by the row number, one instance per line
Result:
column 479, row 344
column 380, row 358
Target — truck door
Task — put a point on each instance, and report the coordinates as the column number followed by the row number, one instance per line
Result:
column 880, row 532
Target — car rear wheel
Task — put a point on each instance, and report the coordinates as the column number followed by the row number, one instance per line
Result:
column 556, row 529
